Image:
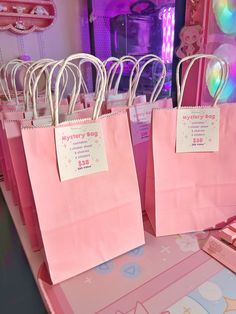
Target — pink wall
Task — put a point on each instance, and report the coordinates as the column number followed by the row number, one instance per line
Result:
column 65, row 37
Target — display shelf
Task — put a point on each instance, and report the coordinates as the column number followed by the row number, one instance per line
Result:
column 155, row 277
column 23, row 17
column 42, row 2
column 33, row 16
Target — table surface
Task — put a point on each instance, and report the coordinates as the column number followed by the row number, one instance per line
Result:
column 169, row 275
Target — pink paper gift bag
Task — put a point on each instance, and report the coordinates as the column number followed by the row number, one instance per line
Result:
column 140, row 149
column 3, row 163
column 194, row 191
column 17, row 154
column 8, row 172
column 140, row 111
column 90, row 219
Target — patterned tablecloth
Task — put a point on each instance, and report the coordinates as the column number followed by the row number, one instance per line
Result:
column 167, row 275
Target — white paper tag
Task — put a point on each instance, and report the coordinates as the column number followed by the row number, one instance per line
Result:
column 80, row 150
column 28, row 115
column 43, row 121
column 140, row 117
column 89, row 97
column 67, row 117
column 121, row 96
column 198, row 130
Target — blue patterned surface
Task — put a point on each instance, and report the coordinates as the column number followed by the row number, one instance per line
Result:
column 105, row 268
column 131, row 270
column 218, row 294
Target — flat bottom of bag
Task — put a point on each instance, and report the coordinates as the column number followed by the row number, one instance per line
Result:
column 168, row 275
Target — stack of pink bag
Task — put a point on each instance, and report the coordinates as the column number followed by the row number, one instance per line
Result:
column 83, row 166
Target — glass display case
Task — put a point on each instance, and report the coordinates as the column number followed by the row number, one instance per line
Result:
column 135, row 28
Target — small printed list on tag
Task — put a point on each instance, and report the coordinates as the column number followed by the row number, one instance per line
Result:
column 80, row 150
column 198, row 130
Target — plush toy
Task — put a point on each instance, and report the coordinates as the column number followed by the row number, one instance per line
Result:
column 19, row 9
column 20, row 25
column 39, row 10
column 3, row 8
